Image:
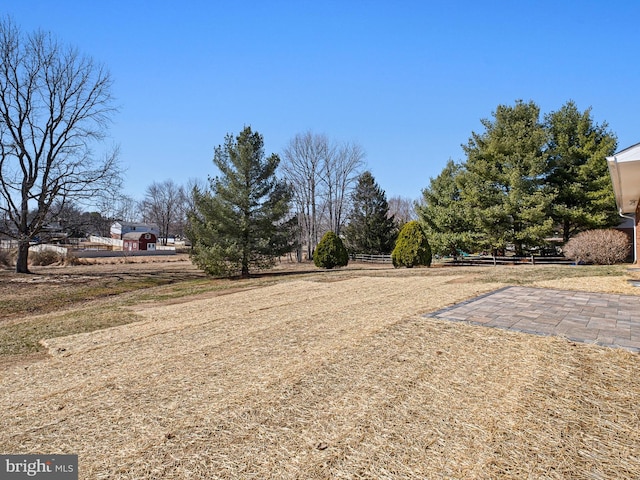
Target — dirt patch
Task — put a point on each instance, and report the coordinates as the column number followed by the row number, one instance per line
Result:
column 463, row 279
column 21, row 360
column 53, row 288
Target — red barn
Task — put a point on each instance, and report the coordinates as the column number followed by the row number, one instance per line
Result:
column 134, row 241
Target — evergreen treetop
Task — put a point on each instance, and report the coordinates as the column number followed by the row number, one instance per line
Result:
column 371, row 230
column 241, row 223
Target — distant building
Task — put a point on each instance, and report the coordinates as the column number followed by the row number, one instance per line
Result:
column 120, row 229
column 135, row 241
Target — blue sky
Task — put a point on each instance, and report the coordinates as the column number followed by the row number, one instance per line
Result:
column 407, row 80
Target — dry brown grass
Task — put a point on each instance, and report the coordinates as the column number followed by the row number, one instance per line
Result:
column 332, row 375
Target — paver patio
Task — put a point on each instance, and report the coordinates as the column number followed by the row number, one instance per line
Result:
column 605, row 319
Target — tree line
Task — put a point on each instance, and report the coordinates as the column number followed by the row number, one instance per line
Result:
column 259, row 208
column 523, row 179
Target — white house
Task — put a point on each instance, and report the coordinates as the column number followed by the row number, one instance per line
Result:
column 624, row 167
column 119, row 229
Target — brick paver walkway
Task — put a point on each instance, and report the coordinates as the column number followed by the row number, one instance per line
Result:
column 604, row 319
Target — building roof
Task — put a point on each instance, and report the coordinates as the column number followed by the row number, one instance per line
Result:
column 136, row 235
column 624, row 168
column 136, row 224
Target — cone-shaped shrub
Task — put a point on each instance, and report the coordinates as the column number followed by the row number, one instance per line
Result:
column 330, row 252
column 412, row 247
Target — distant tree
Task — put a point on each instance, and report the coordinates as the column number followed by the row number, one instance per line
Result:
column 412, row 247
column 116, row 206
column 448, row 220
column 578, row 173
column 339, row 177
column 402, row 209
column 304, row 159
column 242, row 223
column 165, row 204
column 70, row 217
column 330, row 252
column 503, row 182
column 76, row 223
column 371, row 230
column 322, row 175
column 97, row 224
column 194, row 185
column 55, row 105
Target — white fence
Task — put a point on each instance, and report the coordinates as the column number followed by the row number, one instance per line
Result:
column 48, row 248
column 359, row 257
column 490, row 260
column 8, row 244
column 94, row 252
column 121, row 253
column 114, row 242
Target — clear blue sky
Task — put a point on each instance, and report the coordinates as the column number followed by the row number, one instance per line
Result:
column 408, row 80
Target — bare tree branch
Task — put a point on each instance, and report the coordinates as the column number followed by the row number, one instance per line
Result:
column 55, row 107
column 403, row 209
column 165, row 204
column 321, row 174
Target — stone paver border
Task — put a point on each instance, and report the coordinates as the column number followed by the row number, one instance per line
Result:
column 605, row 319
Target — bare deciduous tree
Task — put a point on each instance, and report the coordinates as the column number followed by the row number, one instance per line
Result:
column 321, row 174
column 165, row 204
column 403, row 209
column 117, row 206
column 340, row 174
column 304, row 160
column 55, row 106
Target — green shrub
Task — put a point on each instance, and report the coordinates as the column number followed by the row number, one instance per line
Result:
column 602, row 247
column 216, row 260
column 412, row 247
column 330, row 252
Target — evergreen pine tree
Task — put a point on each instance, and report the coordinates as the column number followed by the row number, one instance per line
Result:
column 412, row 248
column 371, row 230
column 578, row 172
column 330, row 252
column 447, row 219
column 503, row 182
column 240, row 224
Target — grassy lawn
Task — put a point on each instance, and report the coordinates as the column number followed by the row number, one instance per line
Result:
column 311, row 374
column 63, row 301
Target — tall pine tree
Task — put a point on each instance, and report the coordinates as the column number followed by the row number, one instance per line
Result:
column 240, row 224
column 504, row 179
column 371, row 230
column 578, row 172
column 448, row 221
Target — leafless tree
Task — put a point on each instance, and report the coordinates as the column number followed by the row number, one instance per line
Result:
column 118, row 206
column 55, row 106
column 340, row 174
column 403, row 209
column 321, row 174
column 303, row 163
column 194, row 185
column 165, row 204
